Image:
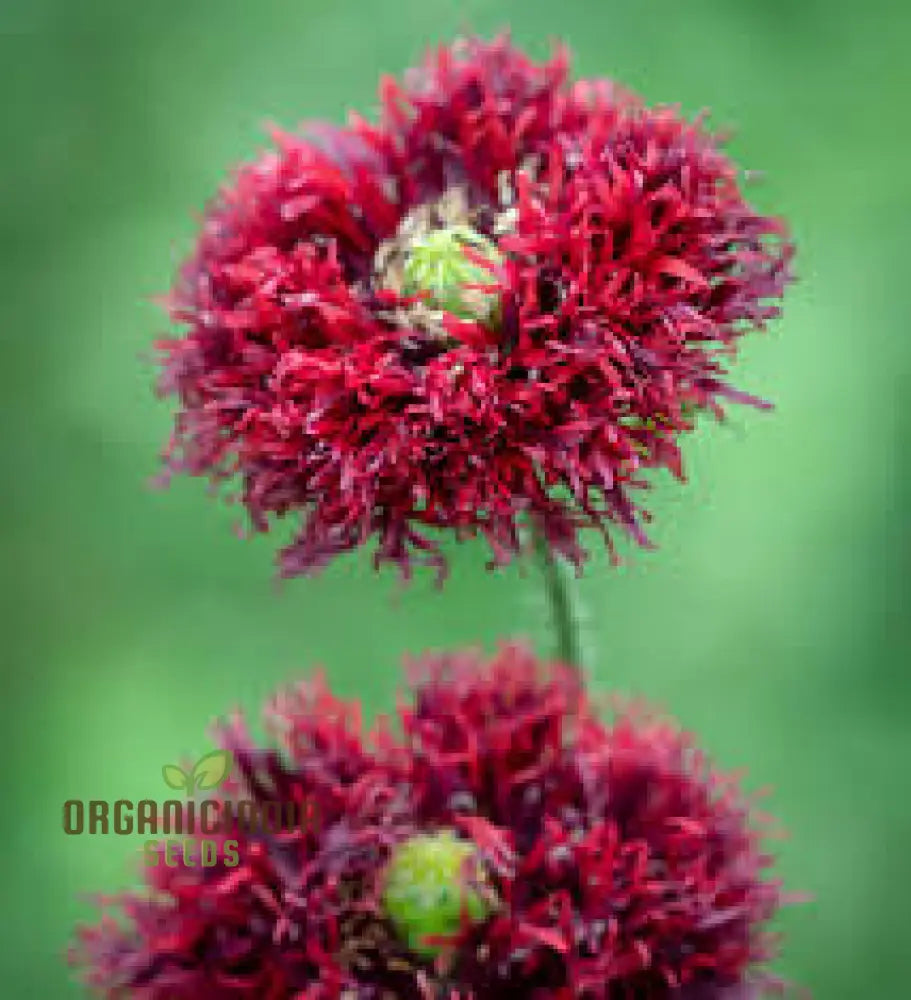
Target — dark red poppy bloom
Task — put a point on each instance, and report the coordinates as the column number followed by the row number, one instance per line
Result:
column 602, row 263
column 611, row 861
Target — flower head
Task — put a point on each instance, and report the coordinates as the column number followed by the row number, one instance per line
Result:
column 500, row 840
column 507, row 299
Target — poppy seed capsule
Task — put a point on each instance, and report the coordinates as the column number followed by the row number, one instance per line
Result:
column 432, row 890
column 444, row 265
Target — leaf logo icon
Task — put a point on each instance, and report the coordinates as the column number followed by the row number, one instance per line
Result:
column 212, row 769
column 209, row 771
column 176, row 777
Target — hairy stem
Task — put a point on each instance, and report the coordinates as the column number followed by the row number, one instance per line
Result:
column 557, row 588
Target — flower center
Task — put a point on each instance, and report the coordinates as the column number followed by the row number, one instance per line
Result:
column 440, row 259
column 434, row 882
column 449, row 267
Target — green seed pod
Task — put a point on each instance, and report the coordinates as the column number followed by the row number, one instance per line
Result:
column 436, row 264
column 430, row 882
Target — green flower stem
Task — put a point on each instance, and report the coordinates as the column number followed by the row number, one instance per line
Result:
column 558, row 587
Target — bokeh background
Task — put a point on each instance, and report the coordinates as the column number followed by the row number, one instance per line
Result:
column 773, row 620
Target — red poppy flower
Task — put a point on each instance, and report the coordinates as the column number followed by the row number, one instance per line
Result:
column 507, row 300
column 500, row 841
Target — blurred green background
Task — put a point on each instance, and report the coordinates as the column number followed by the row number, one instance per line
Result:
column 773, row 620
